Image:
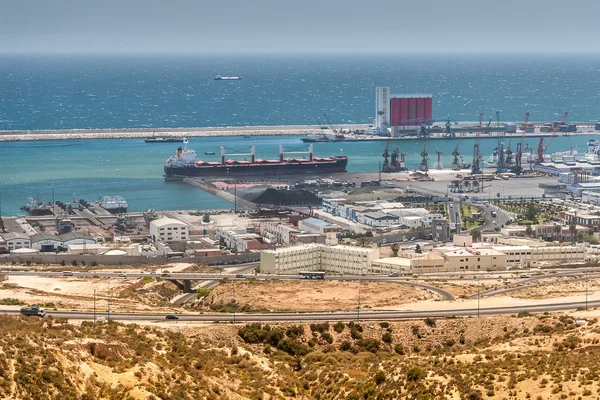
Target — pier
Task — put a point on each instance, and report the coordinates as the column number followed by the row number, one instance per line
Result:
column 209, row 188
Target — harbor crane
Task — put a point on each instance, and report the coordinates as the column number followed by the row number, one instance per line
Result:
column 477, row 159
column 501, row 165
column 543, row 147
column 518, row 169
column 424, row 167
column 330, row 124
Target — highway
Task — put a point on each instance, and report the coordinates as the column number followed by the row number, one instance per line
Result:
column 323, row 316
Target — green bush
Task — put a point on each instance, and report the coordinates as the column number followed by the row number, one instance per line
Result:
column 415, row 374
column 430, row 322
column 293, row 347
column 387, row 338
column 379, row 377
column 384, row 325
column 294, row 331
column 253, row 333
column 371, row 345
column 339, row 327
column 323, row 327
column 399, row 349
column 202, row 293
column 345, row 346
column 327, row 337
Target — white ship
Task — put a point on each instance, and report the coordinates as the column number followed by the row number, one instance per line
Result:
column 227, row 78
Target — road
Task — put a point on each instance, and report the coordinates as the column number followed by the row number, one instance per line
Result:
column 454, row 214
column 325, row 316
column 491, row 222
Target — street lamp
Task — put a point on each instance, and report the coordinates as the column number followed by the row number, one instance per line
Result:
column 478, row 296
column 234, row 302
column 358, row 308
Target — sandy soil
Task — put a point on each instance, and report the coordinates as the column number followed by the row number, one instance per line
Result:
column 547, row 289
column 305, row 296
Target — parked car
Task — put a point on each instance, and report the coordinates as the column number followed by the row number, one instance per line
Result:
column 393, row 275
column 171, row 316
column 123, row 275
column 240, row 276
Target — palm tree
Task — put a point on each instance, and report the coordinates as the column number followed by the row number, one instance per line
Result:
column 363, row 241
column 395, row 247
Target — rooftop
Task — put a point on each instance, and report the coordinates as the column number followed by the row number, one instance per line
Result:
column 316, row 222
column 167, row 221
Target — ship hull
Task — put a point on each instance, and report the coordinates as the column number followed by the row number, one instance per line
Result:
column 336, row 166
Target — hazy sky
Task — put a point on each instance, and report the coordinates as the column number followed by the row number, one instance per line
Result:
column 299, row 25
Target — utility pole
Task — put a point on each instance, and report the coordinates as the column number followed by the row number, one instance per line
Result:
column 586, row 289
column 53, row 213
column 234, row 302
column 235, row 197
column 94, row 306
column 108, row 319
column 358, row 308
column 478, row 296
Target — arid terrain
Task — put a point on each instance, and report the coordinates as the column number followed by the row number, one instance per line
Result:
column 540, row 357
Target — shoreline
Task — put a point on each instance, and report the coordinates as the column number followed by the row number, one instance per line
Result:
column 275, row 130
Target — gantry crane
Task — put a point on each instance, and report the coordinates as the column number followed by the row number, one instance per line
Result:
column 476, row 165
column 518, row 169
column 541, row 146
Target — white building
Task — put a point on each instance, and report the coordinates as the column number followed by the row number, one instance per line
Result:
column 76, row 238
column 169, row 230
column 379, row 219
column 588, row 196
column 382, row 107
column 278, row 232
column 318, row 257
column 15, row 241
column 46, row 242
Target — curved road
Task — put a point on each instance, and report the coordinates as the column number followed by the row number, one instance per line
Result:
column 324, row 316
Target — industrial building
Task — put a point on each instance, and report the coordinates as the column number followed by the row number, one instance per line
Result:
column 169, row 230
column 397, row 113
column 318, row 257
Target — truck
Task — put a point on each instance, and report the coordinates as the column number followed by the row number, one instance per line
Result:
column 494, row 214
column 33, row 310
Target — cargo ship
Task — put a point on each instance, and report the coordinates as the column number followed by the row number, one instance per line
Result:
column 323, row 138
column 185, row 164
column 227, row 78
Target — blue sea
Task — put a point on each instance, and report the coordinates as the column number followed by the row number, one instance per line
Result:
column 116, row 91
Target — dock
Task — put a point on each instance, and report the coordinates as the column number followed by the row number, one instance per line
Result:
column 209, row 188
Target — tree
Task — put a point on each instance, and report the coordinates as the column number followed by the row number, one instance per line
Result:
column 395, row 247
column 498, row 195
column 531, row 211
column 206, row 218
column 418, row 249
column 476, row 234
column 363, row 241
column 528, row 230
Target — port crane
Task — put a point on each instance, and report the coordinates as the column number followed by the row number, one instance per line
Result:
column 501, row 163
column 518, row 169
column 426, row 123
column 330, row 124
column 424, row 167
column 476, row 165
column 543, row 147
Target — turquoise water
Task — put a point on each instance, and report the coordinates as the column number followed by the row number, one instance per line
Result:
column 131, row 168
column 93, row 91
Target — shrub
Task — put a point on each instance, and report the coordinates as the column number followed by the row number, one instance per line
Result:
column 523, row 314
column 371, row 345
column 399, row 349
column 253, row 333
column 379, row 377
column 339, row 327
column 327, row 337
column 415, row 374
column 74, row 263
column 345, row 346
column 274, row 336
column 384, row 325
column 430, row 322
column 387, row 338
column 202, row 293
column 293, row 347
column 323, row 327
column 354, row 334
column 294, row 331
column 94, row 264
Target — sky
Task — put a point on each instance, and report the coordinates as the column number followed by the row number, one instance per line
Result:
column 289, row 26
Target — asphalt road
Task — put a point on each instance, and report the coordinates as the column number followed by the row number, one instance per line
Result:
column 324, row 316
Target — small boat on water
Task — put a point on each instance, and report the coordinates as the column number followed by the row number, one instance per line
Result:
column 209, row 153
column 227, row 78
column 246, row 136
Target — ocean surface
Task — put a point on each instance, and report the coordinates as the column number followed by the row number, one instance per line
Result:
column 87, row 169
column 104, row 91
